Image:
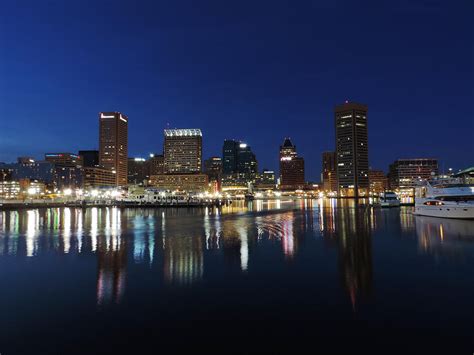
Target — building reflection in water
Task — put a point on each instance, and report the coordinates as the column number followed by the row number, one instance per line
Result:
column 443, row 236
column 111, row 250
column 347, row 226
column 183, row 259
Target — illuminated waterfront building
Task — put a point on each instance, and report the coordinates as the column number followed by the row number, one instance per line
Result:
column 9, row 189
column 113, row 144
column 182, row 151
column 352, row 152
column 291, row 167
column 98, row 177
column 378, row 181
column 405, row 173
column 181, row 182
column 328, row 175
column 266, row 180
column 89, row 158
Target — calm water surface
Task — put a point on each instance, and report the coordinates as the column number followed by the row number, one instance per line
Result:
column 271, row 276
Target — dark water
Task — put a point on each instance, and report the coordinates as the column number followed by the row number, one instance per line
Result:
column 291, row 277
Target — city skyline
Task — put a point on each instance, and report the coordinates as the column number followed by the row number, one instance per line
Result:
column 230, row 88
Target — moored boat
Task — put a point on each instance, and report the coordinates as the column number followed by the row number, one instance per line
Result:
column 389, row 199
column 446, row 198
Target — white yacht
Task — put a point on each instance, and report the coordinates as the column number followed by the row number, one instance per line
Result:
column 389, row 199
column 448, row 198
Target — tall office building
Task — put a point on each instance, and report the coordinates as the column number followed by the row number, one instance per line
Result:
column 246, row 162
column 113, row 144
column 183, row 151
column 291, row 167
column 239, row 163
column 352, row 151
column 328, row 174
column 229, row 156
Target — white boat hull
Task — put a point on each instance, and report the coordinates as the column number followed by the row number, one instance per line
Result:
column 461, row 211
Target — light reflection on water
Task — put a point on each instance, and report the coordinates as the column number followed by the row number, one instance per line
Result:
column 178, row 239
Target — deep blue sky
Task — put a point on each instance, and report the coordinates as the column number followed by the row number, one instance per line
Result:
column 251, row 70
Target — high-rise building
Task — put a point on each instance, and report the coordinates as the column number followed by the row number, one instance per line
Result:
column 156, row 164
column 113, row 144
column 213, row 168
column 404, row 173
column 291, row 167
column 90, row 158
column 246, row 162
column 378, row 181
column 229, row 156
column 328, row 174
column 183, row 151
column 352, row 152
column 239, row 163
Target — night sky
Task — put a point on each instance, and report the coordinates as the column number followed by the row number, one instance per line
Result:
column 251, row 70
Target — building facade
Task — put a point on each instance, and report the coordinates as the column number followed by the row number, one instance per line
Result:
column 213, row 168
column 328, row 174
column 291, row 167
column 181, row 182
column 156, row 164
column 99, row 177
column 182, row 151
column 352, row 151
column 405, row 173
column 113, row 145
column 64, row 159
column 138, row 171
column 378, row 181
column 239, row 164
column 266, row 180
column 90, row 158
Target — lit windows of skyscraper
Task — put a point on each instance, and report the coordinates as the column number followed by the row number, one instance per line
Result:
column 113, row 144
column 352, row 152
column 328, row 175
column 239, row 163
column 291, row 167
column 182, row 151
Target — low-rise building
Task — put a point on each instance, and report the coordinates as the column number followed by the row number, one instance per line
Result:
column 98, row 177
column 181, row 182
column 378, row 181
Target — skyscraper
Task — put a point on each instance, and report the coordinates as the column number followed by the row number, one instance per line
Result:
column 239, row 163
column 229, row 156
column 113, row 144
column 291, row 167
column 328, row 175
column 352, row 152
column 183, row 151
